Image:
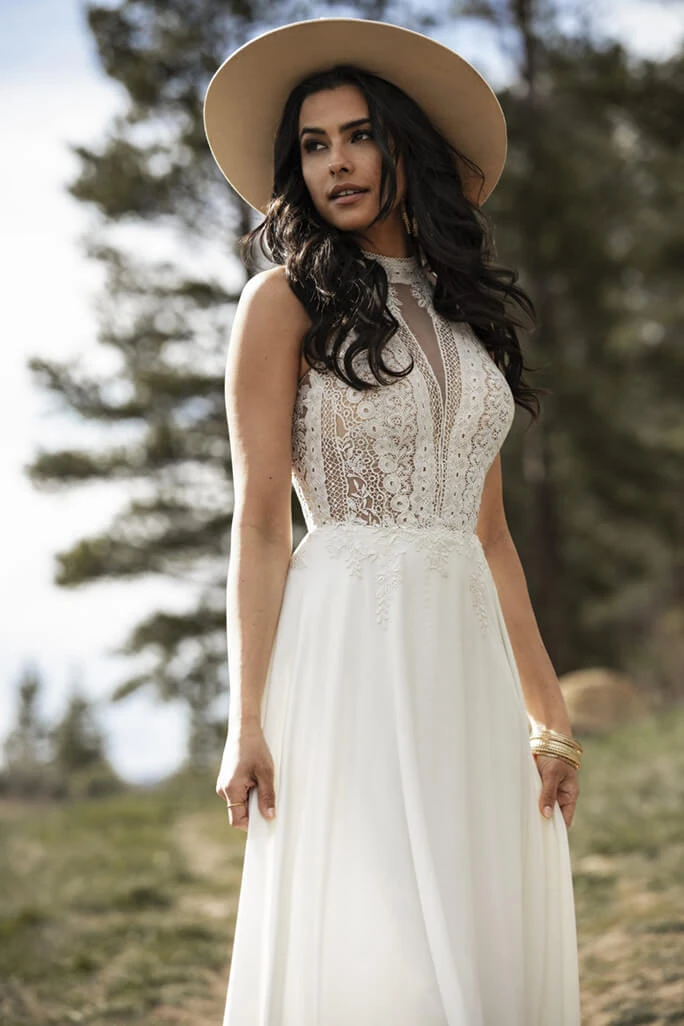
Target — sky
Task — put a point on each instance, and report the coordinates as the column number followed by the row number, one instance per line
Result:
column 53, row 93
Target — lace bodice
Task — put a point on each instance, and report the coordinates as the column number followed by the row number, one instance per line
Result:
column 413, row 453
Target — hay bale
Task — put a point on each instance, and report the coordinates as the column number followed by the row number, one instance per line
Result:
column 599, row 700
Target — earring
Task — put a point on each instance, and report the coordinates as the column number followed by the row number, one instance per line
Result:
column 405, row 219
column 410, row 223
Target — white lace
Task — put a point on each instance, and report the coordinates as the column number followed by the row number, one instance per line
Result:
column 382, row 548
column 411, row 454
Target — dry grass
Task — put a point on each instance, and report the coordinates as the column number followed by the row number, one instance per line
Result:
column 120, row 911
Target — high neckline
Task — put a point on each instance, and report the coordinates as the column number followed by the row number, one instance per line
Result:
column 400, row 270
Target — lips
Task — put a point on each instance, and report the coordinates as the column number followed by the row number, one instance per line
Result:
column 342, row 191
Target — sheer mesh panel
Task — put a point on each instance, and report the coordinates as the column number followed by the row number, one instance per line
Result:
column 419, row 323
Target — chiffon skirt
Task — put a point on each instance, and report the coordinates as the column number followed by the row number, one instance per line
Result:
column 409, row 877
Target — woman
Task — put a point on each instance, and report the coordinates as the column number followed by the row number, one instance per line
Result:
column 407, row 857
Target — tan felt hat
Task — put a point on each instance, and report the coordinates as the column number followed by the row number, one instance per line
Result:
column 246, row 96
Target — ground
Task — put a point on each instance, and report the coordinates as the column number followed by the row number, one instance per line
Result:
column 120, row 911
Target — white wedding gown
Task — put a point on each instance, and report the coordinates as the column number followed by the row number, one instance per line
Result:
column 409, row 878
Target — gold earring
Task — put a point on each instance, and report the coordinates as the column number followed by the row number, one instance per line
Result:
column 410, row 224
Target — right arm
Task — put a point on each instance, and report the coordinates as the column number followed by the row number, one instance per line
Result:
column 261, row 386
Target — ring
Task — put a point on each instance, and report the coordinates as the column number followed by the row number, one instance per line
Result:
column 231, row 805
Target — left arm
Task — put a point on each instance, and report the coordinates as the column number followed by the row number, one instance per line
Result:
column 543, row 696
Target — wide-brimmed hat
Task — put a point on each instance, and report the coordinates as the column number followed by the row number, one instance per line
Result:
column 245, row 98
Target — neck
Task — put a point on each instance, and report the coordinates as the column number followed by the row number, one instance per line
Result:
column 387, row 238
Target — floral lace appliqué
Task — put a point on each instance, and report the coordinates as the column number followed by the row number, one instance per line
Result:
column 386, row 549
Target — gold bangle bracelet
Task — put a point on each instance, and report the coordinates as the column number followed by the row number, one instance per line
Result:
column 554, row 753
column 555, row 741
column 560, row 746
column 556, row 748
column 563, row 758
column 556, row 735
column 548, row 755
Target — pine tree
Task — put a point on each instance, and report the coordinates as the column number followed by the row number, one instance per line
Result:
column 79, row 766
column 585, row 212
column 167, row 327
column 588, row 218
column 77, row 741
column 25, row 748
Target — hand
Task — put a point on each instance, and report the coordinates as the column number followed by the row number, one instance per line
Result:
column 559, row 783
column 246, row 762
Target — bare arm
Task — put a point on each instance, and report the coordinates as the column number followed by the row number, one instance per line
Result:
column 543, row 697
column 544, row 700
column 261, row 385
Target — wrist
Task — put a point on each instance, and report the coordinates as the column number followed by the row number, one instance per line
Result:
column 560, row 724
column 239, row 719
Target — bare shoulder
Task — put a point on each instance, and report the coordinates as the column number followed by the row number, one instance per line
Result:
column 267, row 332
column 268, row 294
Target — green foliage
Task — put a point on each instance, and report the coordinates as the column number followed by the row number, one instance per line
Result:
column 66, row 759
column 590, row 210
column 76, row 741
column 167, row 328
column 25, row 748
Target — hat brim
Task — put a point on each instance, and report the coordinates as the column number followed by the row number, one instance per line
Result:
column 245, row 98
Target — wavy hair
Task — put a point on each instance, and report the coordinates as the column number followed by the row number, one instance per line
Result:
column 345, row 292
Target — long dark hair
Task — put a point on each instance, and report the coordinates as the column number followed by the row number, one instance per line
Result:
column 345, row 292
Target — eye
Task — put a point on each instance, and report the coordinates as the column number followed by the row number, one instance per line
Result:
column 361, row 134
column 311, row 145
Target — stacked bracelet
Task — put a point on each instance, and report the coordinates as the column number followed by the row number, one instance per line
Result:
column 557, row 745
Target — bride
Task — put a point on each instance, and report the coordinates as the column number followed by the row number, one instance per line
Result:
column 398, row 752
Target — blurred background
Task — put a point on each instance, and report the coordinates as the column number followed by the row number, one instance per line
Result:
column 118, row 871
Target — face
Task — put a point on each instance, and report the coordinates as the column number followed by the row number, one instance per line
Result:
column 341, row 163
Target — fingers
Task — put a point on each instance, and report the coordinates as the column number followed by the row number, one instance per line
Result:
column 559, row 784
column 238, row 815
column 568, row 792
column 233, row 793
column 567, row 810
column 266, row 791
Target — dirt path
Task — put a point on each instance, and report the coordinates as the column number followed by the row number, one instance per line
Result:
column 632, row 973
column 218, row 866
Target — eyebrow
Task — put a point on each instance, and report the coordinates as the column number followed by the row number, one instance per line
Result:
column 343, row 128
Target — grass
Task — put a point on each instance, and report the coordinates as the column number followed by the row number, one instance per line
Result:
column 120, row 910
column 627, row 847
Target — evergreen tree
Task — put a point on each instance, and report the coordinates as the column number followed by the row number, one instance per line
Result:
column 167, row 326
column 60, row 760
column 585, row 211
column 76, row 741
column 25, row 747
column 588, row 217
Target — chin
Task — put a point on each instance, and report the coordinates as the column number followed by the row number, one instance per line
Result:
column 351, row 224
column 349, row 221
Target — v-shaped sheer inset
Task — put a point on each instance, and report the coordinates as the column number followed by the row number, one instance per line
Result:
column 422, row 329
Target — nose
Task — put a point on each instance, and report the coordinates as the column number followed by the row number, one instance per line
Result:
column 337, row 163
